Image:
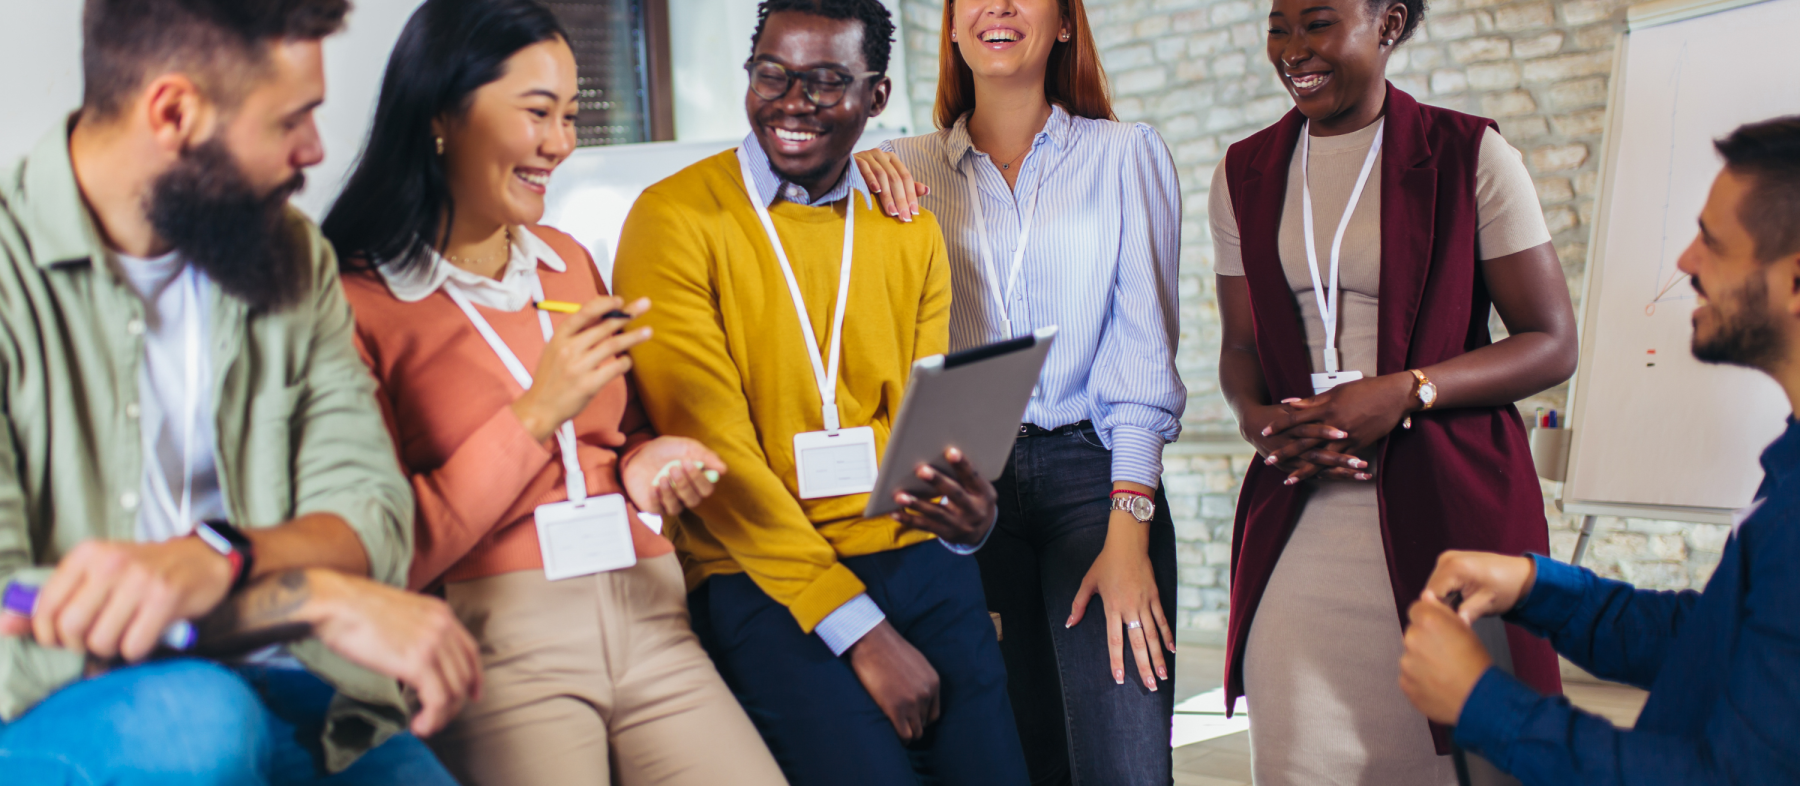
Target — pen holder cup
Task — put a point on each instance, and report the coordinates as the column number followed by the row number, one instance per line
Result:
column 1550, row 452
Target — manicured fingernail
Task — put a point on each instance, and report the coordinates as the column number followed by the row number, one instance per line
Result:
column 1265, row 431
column 1119, row 676
column 1151, row 684
column 928, row 191
column 1290, row 481
column 1335, row 434
column 1363, row 476
column 1289, row 400
column 903, row 498
column 1358, row 463
column 1069, row 623
column 892, row 212
column 1269, row 461
column 1162, row 672
column 712, row 475
column 915, row 211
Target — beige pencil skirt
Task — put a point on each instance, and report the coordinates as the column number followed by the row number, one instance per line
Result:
column 592, row 679
column 1322, row 669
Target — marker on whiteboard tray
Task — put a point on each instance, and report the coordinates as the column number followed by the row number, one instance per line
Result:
column 1537, row 420
column 21, row 599
column 1552, row 419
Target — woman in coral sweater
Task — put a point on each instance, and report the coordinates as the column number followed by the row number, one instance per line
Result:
column 527, row 451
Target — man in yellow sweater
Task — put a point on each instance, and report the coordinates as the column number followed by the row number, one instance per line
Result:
column 788, row 315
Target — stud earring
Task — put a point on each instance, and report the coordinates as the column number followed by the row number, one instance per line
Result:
column 1063, row 37
column 953, row 36
column 1389, row 42
column 440, row 145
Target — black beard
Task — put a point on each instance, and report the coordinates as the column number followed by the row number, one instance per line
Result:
column 1747, row 335
column 207, row 209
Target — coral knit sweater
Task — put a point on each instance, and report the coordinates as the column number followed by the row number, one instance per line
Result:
column 477, row 474
column 727, row 366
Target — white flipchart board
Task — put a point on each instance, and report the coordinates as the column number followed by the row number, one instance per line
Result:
column 1657, row 434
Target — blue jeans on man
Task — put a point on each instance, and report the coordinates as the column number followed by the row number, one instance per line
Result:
column 193, row 723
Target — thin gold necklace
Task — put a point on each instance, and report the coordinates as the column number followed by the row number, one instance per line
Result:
column 466, row 262
column 1008, row 165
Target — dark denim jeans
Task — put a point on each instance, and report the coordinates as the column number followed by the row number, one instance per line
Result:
column 193, row 723
column 1077, row 725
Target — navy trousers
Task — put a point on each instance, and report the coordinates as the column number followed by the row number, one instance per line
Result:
column 819, row 721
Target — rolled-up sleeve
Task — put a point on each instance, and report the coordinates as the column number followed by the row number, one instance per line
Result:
column 344, row 460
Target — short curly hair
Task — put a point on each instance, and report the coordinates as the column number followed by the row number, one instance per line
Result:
column 878, row 24
column 1415, row 13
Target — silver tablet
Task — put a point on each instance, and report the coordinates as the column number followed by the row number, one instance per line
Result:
column 972, row 400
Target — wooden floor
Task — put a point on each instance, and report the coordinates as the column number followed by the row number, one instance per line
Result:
column 1225, row 761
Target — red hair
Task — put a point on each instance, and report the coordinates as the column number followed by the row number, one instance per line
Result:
column 1073, row 79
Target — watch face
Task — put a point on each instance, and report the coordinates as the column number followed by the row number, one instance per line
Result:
column 1427, row 393
column 1142, row 509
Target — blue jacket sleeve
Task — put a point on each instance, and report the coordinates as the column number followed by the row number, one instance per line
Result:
column 1615, row 631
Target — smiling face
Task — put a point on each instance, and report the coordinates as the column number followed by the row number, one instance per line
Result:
column 1007, row 39
column 805, row 143
column 498, row 156
column 1330, row 56
column 1737, row 321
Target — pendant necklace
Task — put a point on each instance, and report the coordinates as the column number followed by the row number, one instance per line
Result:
column 1015, row 160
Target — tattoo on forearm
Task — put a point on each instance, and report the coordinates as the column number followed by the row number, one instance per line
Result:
column 261, row 614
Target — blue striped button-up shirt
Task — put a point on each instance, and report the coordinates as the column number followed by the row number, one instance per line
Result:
column 1101, row 264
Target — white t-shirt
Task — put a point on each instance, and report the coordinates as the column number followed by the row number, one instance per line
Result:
column 174, row 304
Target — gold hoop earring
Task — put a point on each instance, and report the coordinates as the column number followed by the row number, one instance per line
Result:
column 440, row 145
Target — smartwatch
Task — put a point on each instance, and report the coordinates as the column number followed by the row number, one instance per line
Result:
column 231, row 543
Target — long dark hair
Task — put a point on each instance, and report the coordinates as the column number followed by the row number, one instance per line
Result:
column 397, row 206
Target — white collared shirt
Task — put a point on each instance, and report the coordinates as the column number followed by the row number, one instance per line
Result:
column 510, row 292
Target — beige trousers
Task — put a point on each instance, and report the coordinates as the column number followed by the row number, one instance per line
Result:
column 594, row 678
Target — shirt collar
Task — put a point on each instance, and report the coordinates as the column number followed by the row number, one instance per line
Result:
column 511, row 292
column 46, row 200
column 1056, row 133
column 1781, row 459
column 770, row 185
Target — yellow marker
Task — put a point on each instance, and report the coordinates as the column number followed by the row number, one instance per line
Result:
column 558, row 306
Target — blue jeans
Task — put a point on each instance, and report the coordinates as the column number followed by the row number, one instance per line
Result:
column 194, row 722
column 814, row 712
column 1077, row 725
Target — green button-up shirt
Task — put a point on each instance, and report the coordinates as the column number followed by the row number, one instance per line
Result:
column 297, row 424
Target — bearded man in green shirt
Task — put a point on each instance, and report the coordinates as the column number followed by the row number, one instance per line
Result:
column 187, row 436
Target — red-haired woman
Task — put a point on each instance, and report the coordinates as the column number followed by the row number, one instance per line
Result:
column 1360, row 242
column 1056, row 214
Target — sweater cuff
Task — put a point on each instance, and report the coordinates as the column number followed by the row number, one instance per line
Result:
column 834, row 587
column 1493, row 715
column 849, row 623
column 1137, row 455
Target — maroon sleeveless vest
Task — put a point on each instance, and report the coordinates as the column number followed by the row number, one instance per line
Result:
column 1459, row 478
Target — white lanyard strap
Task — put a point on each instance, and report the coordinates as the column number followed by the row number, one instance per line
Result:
column 1001, row 296
column 180, row 514
column 825, row 377
column 574, row 479
column 1328, row 302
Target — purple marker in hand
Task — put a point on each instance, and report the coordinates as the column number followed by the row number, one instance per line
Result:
column 21, row 599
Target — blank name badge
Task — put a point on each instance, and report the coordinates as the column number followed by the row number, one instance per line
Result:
column 580, row 538
column 834, row 463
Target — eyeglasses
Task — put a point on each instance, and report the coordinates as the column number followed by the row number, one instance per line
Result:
column 824, row 87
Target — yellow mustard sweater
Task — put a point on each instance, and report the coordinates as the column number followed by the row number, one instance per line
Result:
column 727, row 365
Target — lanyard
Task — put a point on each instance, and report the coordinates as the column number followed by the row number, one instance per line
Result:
column 180, row 513
column 825, row 377
column 573, row 478
column 1328, row 305
column 1001, row 296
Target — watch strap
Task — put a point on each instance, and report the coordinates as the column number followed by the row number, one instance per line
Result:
column 1420, row 381
column 228, row 541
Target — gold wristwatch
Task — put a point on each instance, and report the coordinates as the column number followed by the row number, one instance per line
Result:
column 1425, row 390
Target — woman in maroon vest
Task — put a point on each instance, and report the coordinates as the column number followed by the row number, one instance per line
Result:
column 1360, row 242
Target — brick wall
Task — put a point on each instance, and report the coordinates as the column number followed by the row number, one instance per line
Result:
column 1197, row 71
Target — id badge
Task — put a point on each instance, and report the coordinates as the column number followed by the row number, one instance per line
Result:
column 832, row 464
column 1327, row 381
column 579, row 538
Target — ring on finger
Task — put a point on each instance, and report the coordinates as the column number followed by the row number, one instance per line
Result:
column 1133, row 625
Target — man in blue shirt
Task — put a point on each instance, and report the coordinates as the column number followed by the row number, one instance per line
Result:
column 1722, row 666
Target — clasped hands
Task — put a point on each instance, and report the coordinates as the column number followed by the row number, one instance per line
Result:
column 1321, row 435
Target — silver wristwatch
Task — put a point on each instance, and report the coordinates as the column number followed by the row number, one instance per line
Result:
column 1140, row 508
